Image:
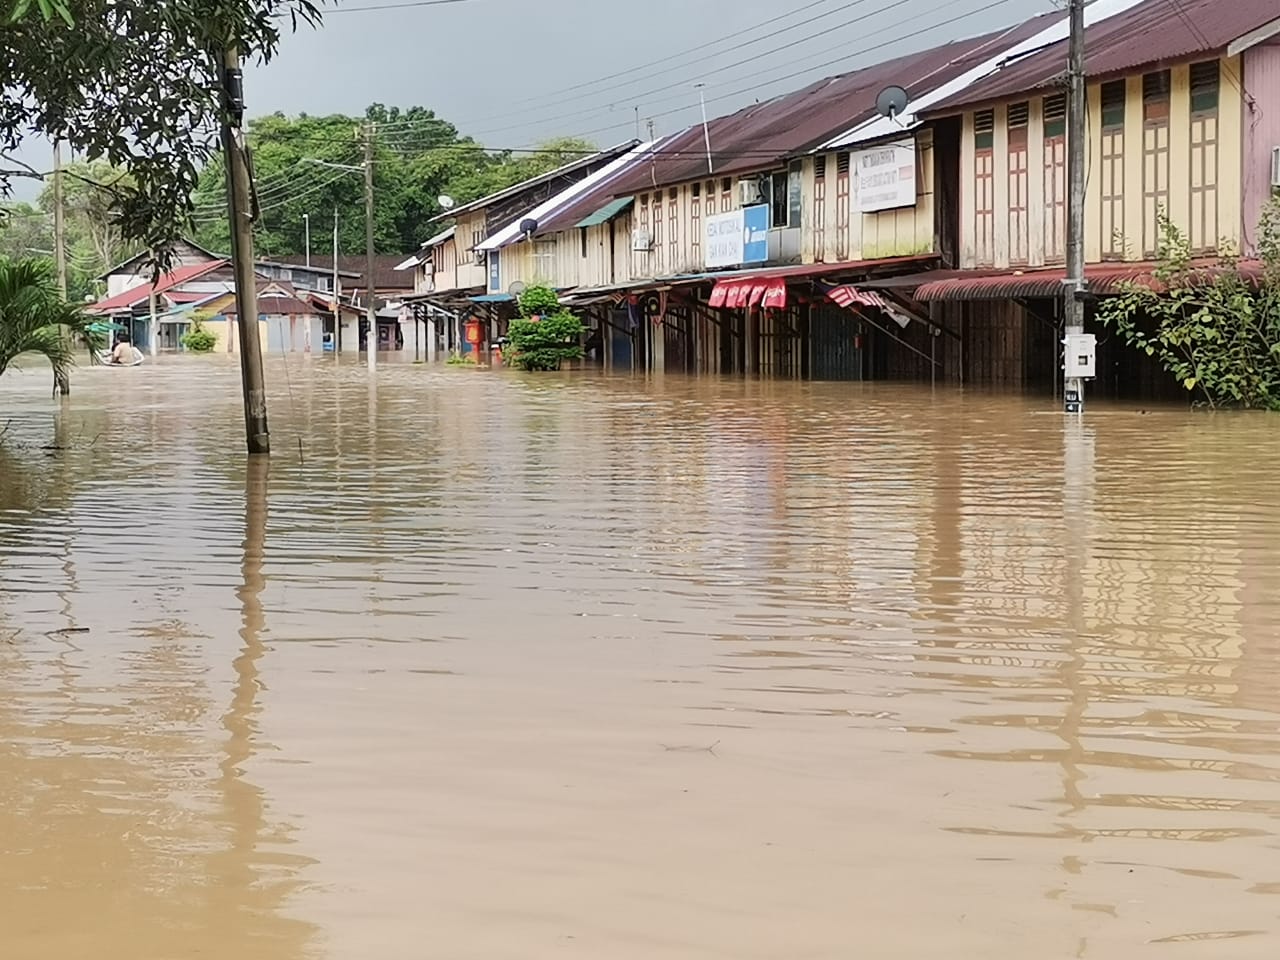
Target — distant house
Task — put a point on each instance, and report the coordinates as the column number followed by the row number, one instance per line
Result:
column 390, row 287
column 137, row 271
column 318, row 276
column 288, row 320
column 175, row 294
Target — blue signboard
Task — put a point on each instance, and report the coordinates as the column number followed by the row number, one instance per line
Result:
column 755, row 234
column 495, row 272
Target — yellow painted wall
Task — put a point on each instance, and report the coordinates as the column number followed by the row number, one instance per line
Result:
column 1230, row 152
column 870, row 236
column 228, row 335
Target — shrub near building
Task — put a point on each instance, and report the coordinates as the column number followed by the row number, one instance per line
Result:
column 1215, row 329
column 198, row 339
column 546, row 334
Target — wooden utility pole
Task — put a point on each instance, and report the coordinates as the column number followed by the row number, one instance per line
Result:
column 59, row 222
column 370, row 309
column 1073, row 289
column 337, row 291
column 239, row 200
column 60, row 249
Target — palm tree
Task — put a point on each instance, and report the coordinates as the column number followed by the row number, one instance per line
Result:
column 33, row 317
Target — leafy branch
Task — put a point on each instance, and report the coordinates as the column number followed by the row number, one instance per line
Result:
column 1215, row 328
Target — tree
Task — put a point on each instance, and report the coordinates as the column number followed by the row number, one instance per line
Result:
column 32, row 315
column 299, row 171
column 1216, row 329
column 546, row 334
column 95, row 241
column 137, row 83
column 25, row 230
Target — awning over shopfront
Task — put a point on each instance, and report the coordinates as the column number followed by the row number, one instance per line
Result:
column 767, row 286
column 847, row 295
column 607, row 212
column 769, row 292
column 1101, row 279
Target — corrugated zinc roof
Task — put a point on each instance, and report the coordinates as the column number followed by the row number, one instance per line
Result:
column 607, row 212
column 135, row 295
column 764, row 134
column 569, row 204
column 601, row 190
column 561, row 171
column 1151, row 32
column 1103, row 279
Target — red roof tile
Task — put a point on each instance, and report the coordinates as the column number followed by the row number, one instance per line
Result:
column 128, row 299
column 1153, row 32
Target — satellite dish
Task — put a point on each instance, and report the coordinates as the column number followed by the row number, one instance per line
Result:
column 446, row 202
column 529, row 226
column 891, row 102
column 517, row 287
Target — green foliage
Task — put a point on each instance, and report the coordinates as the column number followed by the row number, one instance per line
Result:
column 94, row 241
column 457, row 359
column 1217, row 332
column 546, row 334
column 198, row 339
column 417, row 158
column 137, row 83
column 32, row 315
column 48, row 9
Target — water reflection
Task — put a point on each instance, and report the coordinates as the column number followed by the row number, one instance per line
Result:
column 454, row 671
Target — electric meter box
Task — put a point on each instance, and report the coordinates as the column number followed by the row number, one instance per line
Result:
column 1081, row 356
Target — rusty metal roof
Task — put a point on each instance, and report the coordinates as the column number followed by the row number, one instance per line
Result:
column 587, row 196
column 764, row 134
column 1150, row 33
column 581, row 165
column 1104, row 279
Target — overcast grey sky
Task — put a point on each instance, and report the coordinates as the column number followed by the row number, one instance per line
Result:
column 513, row 72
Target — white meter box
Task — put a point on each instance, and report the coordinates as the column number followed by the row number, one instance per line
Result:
column 1081, row 356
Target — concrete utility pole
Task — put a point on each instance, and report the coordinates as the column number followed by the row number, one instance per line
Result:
column 370, row 309
column 239, row 201
column 306, row 225
column 1073, row 291
column 337, row 291
column 60, row 248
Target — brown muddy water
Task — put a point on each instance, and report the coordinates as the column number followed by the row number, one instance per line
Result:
column 577, row 666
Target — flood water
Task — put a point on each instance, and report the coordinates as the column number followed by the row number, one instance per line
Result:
column 493, row 666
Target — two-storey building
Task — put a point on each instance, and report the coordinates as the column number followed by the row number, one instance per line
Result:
column 727, row 241
column 1183, row 121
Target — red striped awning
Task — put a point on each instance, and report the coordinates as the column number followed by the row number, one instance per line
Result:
column 848, row 295
column 740, row 292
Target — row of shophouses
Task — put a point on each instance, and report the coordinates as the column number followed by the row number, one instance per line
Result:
column 812, row 236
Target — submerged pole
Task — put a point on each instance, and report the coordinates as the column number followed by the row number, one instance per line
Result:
column 239, row 199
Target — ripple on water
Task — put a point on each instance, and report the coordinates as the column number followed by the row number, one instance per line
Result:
column 958, row 658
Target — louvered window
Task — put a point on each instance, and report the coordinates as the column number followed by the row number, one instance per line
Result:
column 1113, row 98
column 984, row 125
column 1204, row 87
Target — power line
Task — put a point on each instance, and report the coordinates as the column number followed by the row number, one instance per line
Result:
column 649, row 65
column 845, row 56
column 270, row 187
column 593, row 89
column 822, row 66
column 396, row 6
column 206, row 220
column 684, row 83
column 1199, row 35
